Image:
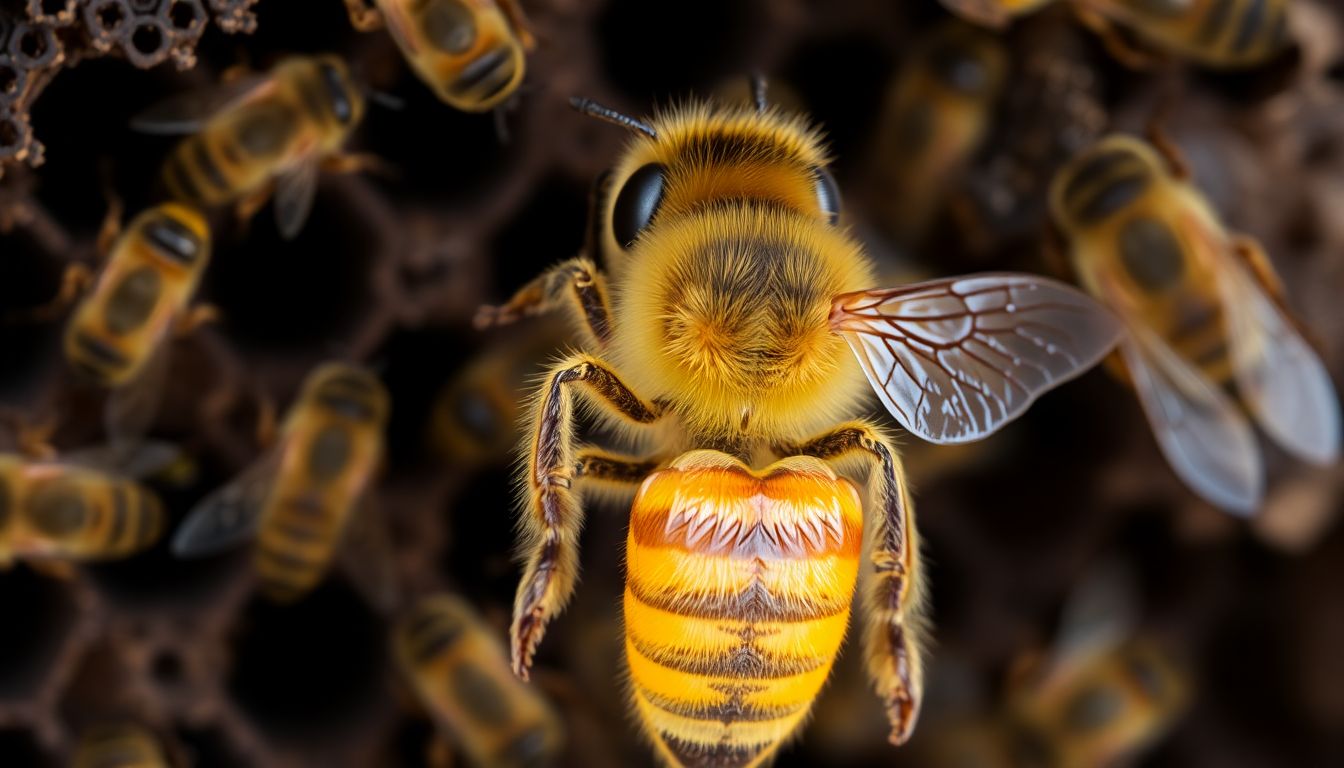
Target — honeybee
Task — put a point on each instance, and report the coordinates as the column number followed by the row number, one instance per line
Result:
column 721, row 341
column 460, row 672
column 476, row 416
column 471, row 53
column 1214, row 33
column 120, row 333
column 126, row 746
column 1105, row 692
column 256, row 135
column 308, row 494
column 1201, row 306
column 54, row 512
column 936, row 114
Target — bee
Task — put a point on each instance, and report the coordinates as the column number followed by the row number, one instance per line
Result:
column 126, row 746
column 476, row 416
column 460, row 672
column 471, row 53
column 720, row 338
column 259, row 134
column 308, row 493
column 937, row 111
column 53, row 512
column 1106, row 690
column 1203, row 312
column 120, row 333
column 1226, row 34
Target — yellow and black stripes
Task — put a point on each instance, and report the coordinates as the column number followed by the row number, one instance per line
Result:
column 737, row 598
column 297, row 544
column 124, row 746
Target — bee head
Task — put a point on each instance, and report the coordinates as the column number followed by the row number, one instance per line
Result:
column 340, row 94
column 351, row 392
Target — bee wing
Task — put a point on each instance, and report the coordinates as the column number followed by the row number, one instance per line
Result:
column 188, row 112
column 229, row 514
column 1205, row 438
column 1278, row 374
column 131, row 407
column 954, row 360
column 1100, row 613
column 137, row 459
column 368, row 557
column 294, row 194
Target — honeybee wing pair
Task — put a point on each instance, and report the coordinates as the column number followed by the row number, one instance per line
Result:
column 295, row 188
column 955, row 359
column 233, row 513
column 1201, row 429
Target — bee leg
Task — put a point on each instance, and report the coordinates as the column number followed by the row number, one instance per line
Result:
column 521, row 26
column 552, row 516
column 1253, row 256
column 893, row 596
column 74, row 281
column 110, row 229
column 357, row 162
column 247, row 207
column 605, row 468
column 576, row 283
column 1167, row 148
column 1114, row 41
column 363, row 17
column 198, row 315
column 34, row 439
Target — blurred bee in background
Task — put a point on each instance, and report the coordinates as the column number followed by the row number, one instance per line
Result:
column 123, row 746
column 937, row 112
column 309, row 494
column 1104, row 693
column 264, row 134
column 460, row 673
column 1205, row 316
column 471, row 53
column 54, row 512
column 722, row 344
column 477, row 417
column 1225, row 34
column 120, row 334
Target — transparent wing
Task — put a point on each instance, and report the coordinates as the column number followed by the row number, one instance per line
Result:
column 368, row 557
column 188, row 112
column 956, row 359
column 131, row 407
column 1101, row 612
column 294, row 194
column 1205, row 438
column 1278, row 374
column 230, row 514
column 138, row 460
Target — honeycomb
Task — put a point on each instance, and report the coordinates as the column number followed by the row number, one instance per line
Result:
column 392, row 266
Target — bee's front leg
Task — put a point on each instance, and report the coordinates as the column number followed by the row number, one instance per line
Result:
column 893, row 594
column 553, row 516
column 576, row 283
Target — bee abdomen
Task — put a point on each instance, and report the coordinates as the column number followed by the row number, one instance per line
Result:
column 737, row 599
column 193, row 174
column 136, row 519
column 295, row 547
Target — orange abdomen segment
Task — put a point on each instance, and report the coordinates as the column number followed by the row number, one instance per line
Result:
column 737, row 596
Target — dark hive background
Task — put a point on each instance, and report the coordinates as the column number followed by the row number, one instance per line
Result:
column 390, row 269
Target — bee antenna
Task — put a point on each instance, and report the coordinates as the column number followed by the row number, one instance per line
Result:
column 593, row 109
column 758, row 87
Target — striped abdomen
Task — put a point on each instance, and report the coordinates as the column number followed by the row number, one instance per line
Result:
column 738, row 590
column 234, row 155
column 118, row 747
column 87, row 515
column 1228, row 33
column 458, row 669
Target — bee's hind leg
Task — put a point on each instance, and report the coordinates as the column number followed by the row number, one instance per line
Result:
column 893, row 595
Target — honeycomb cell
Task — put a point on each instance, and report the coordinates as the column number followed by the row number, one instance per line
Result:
column 13, row 78
column 146, row 41
column 34, row 46
column 53, row 12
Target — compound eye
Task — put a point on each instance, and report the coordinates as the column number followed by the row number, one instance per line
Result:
column 636, row 203
column 828, row 195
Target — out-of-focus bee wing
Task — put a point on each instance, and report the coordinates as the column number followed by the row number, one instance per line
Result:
column 188, row 112
column 1101, row 612
column 956, row 359
column 294, row 194
column 138, row 460
column 1205, row 438
column 1278, row 374
column 368, row 557
column 229, row 514
column 131, row 407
